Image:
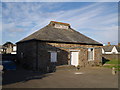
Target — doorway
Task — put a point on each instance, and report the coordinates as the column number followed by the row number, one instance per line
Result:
column 74, row 58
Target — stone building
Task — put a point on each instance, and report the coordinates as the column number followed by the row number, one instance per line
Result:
column 59, row 44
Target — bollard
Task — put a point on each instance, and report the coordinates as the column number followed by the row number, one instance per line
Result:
column 78, row 67
column 113, row 71
column 1, row 68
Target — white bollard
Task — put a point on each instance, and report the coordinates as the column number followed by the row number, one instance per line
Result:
column 1, row 68
column 113, row 71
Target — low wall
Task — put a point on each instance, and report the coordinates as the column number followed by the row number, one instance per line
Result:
column 8, row 56
column 111, row 56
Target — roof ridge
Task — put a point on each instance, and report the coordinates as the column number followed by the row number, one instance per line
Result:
column 60, row 23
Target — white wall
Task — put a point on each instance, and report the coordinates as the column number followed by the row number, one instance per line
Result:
column 114, row 50
column 14, row 48
column 108, row 53
column 13, row 52
column 103, row 51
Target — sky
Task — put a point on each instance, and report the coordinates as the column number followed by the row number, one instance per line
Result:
column 97, row 20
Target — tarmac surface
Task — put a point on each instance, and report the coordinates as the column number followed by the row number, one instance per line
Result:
column 94, row 77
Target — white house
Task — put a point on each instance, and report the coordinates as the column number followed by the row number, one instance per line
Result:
column 111, row 49
column 8, row 48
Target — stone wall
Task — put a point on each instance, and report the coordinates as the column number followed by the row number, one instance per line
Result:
column 26, row 54
column 83, row 53
column 44, row 50
column 36, row 54
column 111, row 56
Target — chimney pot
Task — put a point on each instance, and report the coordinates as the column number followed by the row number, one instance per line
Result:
column 109, row 44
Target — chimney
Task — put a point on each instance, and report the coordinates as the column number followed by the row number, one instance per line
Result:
column 109, row 44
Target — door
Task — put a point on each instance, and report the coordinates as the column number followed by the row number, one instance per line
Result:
column 53, row 57
column 74, row 58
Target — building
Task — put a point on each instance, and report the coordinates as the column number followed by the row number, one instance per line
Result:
column 111, row 49
column 8, row 48
column 1, row 49
column 59, row 44
column 110, row 52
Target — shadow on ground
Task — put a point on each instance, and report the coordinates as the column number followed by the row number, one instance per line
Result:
column 104, row 60
column 21, row 75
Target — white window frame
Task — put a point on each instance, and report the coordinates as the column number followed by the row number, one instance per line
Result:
column 54, row 57
column 93, row 54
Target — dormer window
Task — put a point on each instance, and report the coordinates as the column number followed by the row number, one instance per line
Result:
column 60, row 25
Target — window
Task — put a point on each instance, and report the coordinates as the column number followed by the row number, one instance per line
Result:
column 90, row 54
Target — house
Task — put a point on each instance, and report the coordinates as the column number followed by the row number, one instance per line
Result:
column 14, row 49
column 111, row 49
column 110, row 52
column 8, row 48
column 1, row 49
column 58, row 44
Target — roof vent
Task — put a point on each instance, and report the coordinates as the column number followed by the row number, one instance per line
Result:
column 60, row 25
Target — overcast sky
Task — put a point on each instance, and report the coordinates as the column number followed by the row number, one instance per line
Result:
column 98, row 21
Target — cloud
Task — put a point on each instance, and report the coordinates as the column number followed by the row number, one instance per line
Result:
column 60, row 0
column 94, row 20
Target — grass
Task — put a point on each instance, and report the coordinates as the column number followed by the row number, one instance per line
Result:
column 113, row 63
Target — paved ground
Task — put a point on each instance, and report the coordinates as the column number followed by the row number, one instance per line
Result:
column 97, row 77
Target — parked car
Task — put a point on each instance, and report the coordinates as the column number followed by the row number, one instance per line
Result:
column 8, row 65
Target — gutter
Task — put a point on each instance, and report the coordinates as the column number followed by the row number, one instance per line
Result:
column 61, row 42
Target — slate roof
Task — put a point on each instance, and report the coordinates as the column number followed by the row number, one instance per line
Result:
column 109, row 48
column 7, row 43
column 118, row 48
column 50, row 33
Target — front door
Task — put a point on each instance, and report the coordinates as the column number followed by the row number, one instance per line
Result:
column 74, row 58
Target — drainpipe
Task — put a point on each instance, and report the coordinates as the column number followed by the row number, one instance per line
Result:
column 36, row 55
